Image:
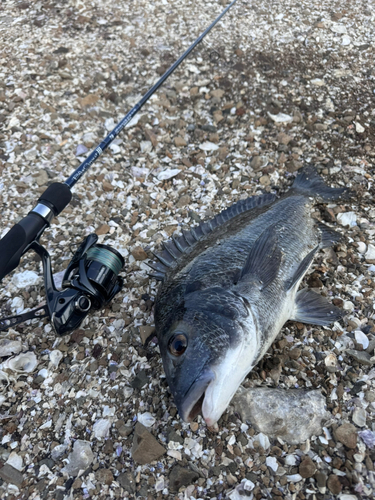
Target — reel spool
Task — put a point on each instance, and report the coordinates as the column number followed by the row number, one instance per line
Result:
column 90, row 281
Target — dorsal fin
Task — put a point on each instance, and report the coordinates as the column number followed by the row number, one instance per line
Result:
column 179, row 245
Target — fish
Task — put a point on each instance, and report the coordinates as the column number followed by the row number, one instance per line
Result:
column 230, row 284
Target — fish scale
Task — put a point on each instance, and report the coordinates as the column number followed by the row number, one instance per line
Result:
column 230, row 284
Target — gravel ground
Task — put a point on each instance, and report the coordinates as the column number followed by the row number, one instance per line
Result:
column 276, row 85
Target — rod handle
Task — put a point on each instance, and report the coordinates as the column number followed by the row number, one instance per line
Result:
column 17, row 241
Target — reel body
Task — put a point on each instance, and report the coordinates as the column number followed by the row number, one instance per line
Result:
column 90, row 281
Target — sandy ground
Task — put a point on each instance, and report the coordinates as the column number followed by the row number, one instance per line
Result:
column 274, row 86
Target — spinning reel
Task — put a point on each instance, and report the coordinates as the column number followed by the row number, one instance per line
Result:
column 90, row 281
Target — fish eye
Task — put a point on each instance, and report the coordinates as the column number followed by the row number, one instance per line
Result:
column 178, row 344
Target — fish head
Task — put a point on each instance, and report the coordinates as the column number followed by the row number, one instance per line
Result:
column 206, row 355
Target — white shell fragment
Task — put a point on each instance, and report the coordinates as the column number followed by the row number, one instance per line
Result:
column 25, row 362
column 361, row 338
column 55, row 356
column 146, row 419
column 27, row 278
column 81, row 458
column 8, row 347
column 208, row 146
column 271, row 462
column 281, row 118
column 168, row 174
column 347, row 218
column 101, row 428
column 370, row 254
column 359, row 128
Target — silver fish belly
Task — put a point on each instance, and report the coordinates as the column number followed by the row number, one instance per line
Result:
column 229, row 285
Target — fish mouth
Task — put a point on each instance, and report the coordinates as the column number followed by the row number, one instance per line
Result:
column 193, row 400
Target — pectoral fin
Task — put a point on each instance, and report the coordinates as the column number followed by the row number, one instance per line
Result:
column 313, row 308
column 263, row 261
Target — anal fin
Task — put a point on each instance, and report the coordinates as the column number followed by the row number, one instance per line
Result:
column 312, row 308
column 302, row 268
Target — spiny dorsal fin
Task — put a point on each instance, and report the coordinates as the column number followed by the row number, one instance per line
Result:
column 179, row 245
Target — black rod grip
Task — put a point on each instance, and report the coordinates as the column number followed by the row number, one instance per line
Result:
column 57, row 195
column 16, row 241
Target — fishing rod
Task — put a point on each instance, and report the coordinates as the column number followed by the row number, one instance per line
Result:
column 91, row 279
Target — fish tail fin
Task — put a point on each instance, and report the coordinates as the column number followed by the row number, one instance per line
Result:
column 310, row 183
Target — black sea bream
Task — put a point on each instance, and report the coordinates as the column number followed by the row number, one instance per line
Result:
column 230, row 284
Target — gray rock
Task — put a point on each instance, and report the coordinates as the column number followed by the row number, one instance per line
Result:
column 293, row 415
column 181, row 476
column 11, row 475
column 127, row 482
column 347, row 435
column 362, row 357
column 145, row 448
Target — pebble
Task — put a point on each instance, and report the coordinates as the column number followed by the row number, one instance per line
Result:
column 307, row 468
column 127, row 481
column 11, row 475
column 347, row 435
column 181, row 476
column 292, row 415
column 138, row 253
column 145, row 447
column 146, row 332
column 333, row 484
column 257, row 163
column 362, row 357
column 104, row 476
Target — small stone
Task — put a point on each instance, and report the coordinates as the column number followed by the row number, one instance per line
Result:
column 217, row 93
column 362, row 357
column 293, row 165
column 181, row 476
column 293, row 415
column 283, row 138
column 139, row 254
column 145, row 447
column 104, row 476
column 307, row 468
column 145, row 332
column 11, row 475
column 334, row 484
column 127, row 482
column 103, row 229
column 101, row 428
column 295, row 353
column 140, row 380
column 194, row 426
column 180, row 142
column 265, row 180
column 347, row 435
column 257, row 163
column 321, row 479
column 184, row 201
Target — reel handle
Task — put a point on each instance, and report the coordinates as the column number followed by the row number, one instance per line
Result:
column 18, row 240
